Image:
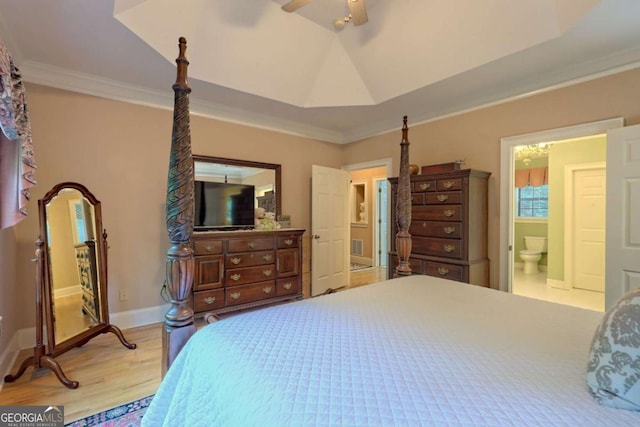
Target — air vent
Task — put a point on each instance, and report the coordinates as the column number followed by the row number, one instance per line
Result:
column 356, row 247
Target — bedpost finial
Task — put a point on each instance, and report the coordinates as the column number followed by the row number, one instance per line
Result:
column 183, row 63
column 405, row 130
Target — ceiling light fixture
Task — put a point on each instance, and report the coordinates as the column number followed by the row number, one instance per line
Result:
column 533, row 151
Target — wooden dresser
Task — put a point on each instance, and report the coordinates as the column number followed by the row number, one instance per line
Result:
column 449, row 226
column 235, row 270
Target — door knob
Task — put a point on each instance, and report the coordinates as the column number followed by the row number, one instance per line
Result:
column 315, row 236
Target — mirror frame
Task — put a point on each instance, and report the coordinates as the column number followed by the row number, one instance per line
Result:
column 258, row 165
column 57, row 348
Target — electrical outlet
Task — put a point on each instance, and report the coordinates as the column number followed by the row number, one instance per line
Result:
column 123, row 295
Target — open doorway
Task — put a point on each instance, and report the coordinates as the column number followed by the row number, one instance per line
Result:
column 369, row 213
column 574, row 158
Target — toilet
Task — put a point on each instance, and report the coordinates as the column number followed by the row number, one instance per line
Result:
column 535, row 246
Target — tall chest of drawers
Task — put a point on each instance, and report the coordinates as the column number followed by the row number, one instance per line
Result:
column 235, row 270
column 449, row 226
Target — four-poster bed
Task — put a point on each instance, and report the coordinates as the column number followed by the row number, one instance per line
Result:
column 413, row 350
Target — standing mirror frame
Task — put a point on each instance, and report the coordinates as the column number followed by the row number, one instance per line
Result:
column 236, row 165
column 70, row 233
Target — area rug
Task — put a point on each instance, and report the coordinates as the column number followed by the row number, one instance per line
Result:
column 127, row 415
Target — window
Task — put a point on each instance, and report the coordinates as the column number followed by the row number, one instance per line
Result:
column 532, row 202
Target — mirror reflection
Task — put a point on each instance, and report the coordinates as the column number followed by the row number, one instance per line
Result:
column 264, row 178
column 73, row 264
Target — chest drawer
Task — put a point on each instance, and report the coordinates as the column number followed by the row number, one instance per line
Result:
column 248, row 259
column 207, row 247
column 452, row 230
column 443, row 198
column 288, row 286
column 446, row 271
column 250, row 293
column 241, row 276
column 208, row 300
column 419, row 187
column 437, row 213
column 249, row 244
column 448, row 248
column 287, row 242
column 449, row 184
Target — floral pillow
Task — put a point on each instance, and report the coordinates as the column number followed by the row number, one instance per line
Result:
column 613, row 371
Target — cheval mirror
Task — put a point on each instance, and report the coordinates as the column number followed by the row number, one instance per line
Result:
column 71, row 278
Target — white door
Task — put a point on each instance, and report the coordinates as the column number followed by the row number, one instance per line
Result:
column 329, row 229
column 588, row 229
column 623, row 213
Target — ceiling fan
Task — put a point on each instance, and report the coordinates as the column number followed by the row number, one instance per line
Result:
column 355, row 10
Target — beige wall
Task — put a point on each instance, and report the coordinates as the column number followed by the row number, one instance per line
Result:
column 120, row 152
column 475, row 136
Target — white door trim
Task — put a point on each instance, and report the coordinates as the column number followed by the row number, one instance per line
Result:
column 507, row 181
column 569, row 184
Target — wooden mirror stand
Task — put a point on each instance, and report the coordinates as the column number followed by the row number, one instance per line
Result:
column 71, row 214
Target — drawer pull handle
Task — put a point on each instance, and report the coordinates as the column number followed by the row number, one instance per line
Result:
column 424, row 186
column 448, row 184
column 235, row 277
column 424, row 225
column 252, row 244
column 287, row 285
column 449, row 213
column 209, row 248
column 236, row 260
column 449, row 230
column 449, row 248
column 267, row 289
column 209, row 300
column 442, row 197
column 267, row 257
column 288, row 242
column 267, row 273
column 443, row 271
column 235, row 295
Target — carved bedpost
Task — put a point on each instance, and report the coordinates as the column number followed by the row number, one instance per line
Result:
column 179, row 323
column 403, row 206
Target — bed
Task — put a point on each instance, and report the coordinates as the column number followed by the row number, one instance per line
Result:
column 413, row 350
column 410, row 351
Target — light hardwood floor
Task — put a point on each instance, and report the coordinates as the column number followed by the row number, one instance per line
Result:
column 109, row 374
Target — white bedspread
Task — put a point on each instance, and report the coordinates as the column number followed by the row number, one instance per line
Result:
column 405, row 352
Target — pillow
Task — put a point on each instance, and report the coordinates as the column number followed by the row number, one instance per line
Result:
column 613, row 371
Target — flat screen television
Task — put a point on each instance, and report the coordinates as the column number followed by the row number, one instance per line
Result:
column 220, row 205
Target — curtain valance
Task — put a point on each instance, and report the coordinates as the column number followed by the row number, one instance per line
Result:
column 534, row 177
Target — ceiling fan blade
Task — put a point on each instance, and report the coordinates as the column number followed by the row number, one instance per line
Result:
column 294, row 5
column 358, row 12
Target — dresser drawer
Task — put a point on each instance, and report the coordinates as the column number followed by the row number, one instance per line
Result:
column 288, row 286
column 417, row 198
column 452, row 230
column 418, row 266
column 249, row 244
column 449, row 184
column 420, row 187
column 437, row 213
column 208, row 300
column 250, row 293
column 241, row 276
column 248, row 259
column 446, row 271
column 448, row 248
column 207, row 247
column 287, row 242
column 443, row 198
column 208, row 272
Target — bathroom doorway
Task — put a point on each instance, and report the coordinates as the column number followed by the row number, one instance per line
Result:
column 572, row 149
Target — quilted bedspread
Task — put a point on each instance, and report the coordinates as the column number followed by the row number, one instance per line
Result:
column 415, row 351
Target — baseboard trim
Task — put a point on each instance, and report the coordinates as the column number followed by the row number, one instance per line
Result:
column 361, row 260
column 26, row 338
